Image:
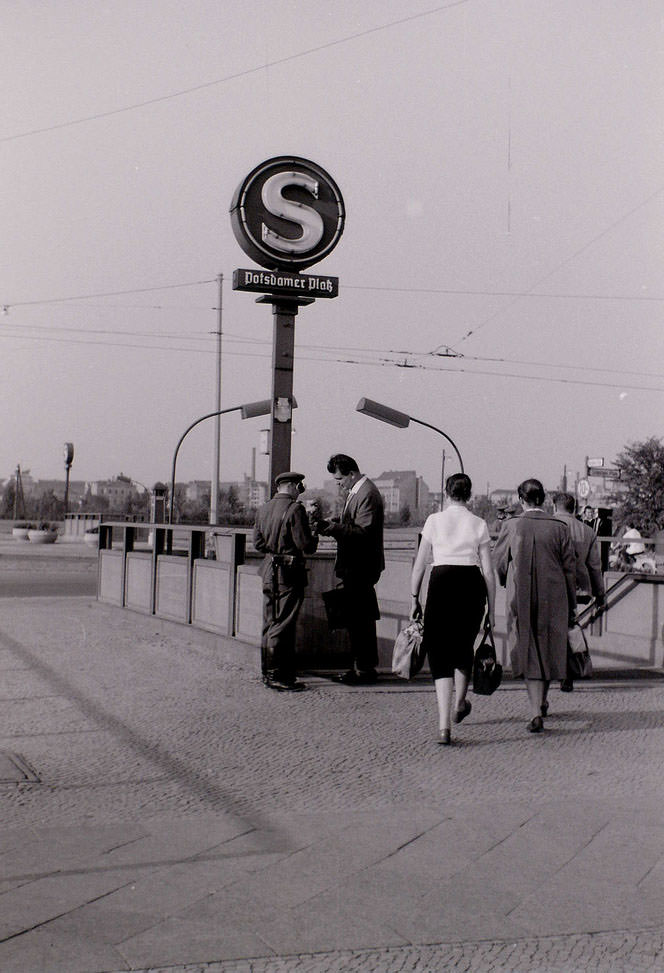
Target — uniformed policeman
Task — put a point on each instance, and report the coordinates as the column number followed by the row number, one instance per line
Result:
column 283, row 534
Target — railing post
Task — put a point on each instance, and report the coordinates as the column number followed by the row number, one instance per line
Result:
column 127, row 546
column 159, row 543
column 196, row 550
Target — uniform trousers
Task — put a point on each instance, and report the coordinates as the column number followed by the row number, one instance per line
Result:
column 280, row 613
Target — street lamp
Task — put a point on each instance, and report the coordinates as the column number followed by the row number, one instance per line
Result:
column 401, row 420
column 69, row 459
column 248, row 411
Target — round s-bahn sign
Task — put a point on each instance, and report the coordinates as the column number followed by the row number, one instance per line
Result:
column 288, row 213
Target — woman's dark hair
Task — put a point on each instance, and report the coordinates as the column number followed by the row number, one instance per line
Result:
column 458, row 487
column 345, row 464
column 531, row 491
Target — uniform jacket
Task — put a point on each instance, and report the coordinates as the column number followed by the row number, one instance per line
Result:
column 359, row 537
column 589, row 579
column 534, row 558
column 293, row 536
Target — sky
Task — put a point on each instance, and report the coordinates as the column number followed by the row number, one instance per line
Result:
column 500, row 269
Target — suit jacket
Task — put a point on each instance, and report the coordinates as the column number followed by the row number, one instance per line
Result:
column 359, row 537
column 535, row 559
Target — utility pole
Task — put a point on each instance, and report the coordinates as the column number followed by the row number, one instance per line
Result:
column 214, row 491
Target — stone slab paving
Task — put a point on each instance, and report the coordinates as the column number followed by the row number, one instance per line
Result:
column 187, row 819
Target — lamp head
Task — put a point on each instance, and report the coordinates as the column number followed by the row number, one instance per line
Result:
column 383, row 412
column 263, row 408
column 252, row 409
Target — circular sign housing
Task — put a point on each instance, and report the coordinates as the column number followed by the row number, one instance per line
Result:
column 288, row 213
column 583, row 489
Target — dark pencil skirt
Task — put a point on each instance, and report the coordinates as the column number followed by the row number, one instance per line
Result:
column 453, row 614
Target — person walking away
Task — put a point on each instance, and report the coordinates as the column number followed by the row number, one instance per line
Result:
column 589, row 578
column 282, row 532
column 535, row 560
column 461, row 583
column 359, row 563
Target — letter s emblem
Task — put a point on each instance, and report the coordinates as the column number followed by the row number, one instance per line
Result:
column 310, row 221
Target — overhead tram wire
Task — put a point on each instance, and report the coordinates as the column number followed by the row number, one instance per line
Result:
column 385, row 363
column 205, row 337
column 236, row 75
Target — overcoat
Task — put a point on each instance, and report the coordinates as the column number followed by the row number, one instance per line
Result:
column 534, row 558
column 589, row 577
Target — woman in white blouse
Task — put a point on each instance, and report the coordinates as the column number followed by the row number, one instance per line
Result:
column 461, row 582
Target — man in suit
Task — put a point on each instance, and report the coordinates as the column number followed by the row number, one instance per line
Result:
column 360, row 562
column 283, row 534
column 589, row 579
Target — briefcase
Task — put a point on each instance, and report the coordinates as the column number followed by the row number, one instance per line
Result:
column 336, row 607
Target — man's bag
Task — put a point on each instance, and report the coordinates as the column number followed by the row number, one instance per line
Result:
column 407, row 655
column 336, row 608
column 487, row 671
column 579, row 663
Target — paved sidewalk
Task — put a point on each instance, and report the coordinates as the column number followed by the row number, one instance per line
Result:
column 164, row 811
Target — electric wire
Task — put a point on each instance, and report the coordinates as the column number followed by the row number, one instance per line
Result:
column 233, row 338
column 349, row 361
column 236, row 75
column 563, row 263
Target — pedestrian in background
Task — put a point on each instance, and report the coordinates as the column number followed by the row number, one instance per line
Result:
column 535, row 560
column 589, row 578
column 461, row 581
column 282, row 532
column 359, row 563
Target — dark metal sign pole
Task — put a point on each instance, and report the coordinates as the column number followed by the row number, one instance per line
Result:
column 283, row 353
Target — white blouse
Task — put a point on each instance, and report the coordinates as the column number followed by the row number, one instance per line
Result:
column 456, row 536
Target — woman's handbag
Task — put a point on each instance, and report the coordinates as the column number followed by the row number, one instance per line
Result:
column 579, row 663
column 487, row 671
column 407, row 655
column 336, row 607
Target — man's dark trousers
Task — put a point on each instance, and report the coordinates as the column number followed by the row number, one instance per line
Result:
column 363, row 612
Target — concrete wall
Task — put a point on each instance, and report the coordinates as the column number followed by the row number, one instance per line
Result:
column 225, row 596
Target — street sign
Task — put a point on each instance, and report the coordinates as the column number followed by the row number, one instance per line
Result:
column 607, row 472
column 283, row 282
column 583, row 489
column 595, row 461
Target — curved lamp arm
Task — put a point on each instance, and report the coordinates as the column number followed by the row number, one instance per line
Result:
column 444, row 434
column 249, row 411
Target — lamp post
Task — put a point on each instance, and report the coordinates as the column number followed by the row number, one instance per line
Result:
column 401, row 420
column 69, row 459
column 249, row 411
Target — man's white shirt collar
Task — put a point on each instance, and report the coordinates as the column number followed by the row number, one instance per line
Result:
column 354, row 489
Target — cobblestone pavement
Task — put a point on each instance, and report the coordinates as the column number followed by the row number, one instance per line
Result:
column 132, row 719
column 605, row 953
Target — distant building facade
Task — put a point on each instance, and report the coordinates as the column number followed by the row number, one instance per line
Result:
column 117, row 491
column 403, row 490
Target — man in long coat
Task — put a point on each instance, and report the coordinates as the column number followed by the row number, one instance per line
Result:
column 359, row 563
column 534, row 558
column 283, row 534
column 589, row 577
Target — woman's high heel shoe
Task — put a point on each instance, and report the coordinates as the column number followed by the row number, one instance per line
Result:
column 536, row 725
column 445, row 738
